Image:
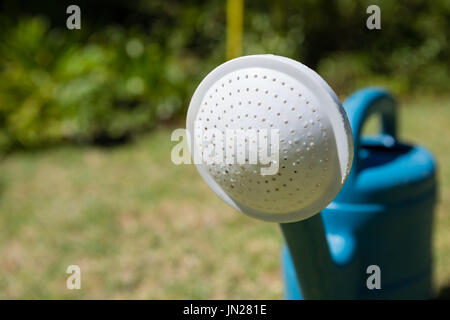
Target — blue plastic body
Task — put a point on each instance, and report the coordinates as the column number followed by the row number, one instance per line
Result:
column 382, row 216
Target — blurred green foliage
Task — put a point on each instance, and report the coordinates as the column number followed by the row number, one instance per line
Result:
column 135, row 64
column 54, row 86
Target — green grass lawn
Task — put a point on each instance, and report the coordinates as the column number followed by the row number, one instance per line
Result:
column 141, row 227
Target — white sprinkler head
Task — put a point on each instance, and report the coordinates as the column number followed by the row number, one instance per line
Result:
column 263, row 94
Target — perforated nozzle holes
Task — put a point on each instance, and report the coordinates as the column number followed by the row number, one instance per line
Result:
column 274, row 140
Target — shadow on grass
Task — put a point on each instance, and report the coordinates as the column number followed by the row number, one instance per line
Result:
column 2, row 186
column 444, row 293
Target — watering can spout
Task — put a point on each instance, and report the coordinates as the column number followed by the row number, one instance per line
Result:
column 320, row 261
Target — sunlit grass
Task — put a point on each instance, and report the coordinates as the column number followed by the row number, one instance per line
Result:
column 142, row 227
column 427, row 121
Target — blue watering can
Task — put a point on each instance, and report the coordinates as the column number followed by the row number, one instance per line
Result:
column 382, row 217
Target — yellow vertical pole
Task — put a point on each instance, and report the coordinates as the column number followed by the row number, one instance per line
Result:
column 235, row 12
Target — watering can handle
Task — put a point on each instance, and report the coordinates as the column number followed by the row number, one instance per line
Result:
column 364, row 103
